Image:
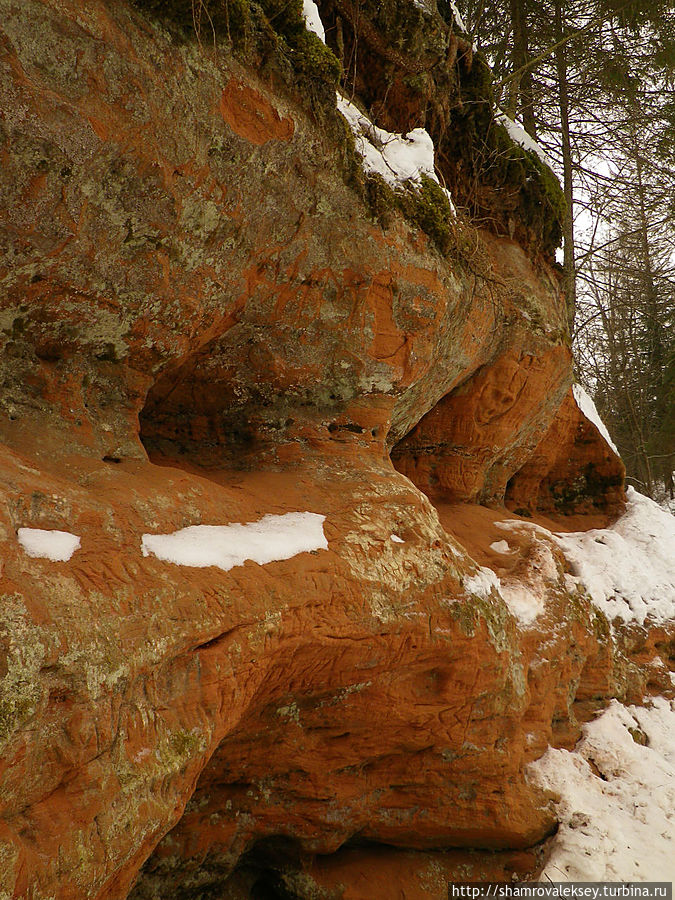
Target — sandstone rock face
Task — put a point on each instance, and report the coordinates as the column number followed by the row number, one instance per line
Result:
column 450, row 454
column 571, row 470
column 202, row 323
column 453, row 451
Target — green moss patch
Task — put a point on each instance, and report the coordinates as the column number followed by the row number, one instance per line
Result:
column 430, row 209
column 268, row 35
column 408, row 68
column 540, row 196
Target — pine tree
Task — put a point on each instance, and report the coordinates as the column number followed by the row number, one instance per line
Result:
column 599, row 96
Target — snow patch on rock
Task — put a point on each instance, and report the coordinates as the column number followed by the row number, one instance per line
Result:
column 523, row 603
column 400, row 159
column 58, row 546
column 482, row 582
column 312, row 19
column 519, row 136
column 587, row 407
column 500, row 547
column 225, row 546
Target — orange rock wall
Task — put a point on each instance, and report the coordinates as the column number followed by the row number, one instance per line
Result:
column 473, row 441
column 572, row 470
column 201, row 323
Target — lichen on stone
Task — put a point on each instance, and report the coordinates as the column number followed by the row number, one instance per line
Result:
column 25, row 650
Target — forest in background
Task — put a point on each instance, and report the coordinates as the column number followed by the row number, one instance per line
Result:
column 594, row 83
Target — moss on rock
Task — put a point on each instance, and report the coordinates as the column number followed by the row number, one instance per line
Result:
column 430, row 208
column 411, row 69
column 270, row 35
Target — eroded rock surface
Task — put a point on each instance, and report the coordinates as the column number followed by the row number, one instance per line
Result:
column 572, row 470
column 205, row 320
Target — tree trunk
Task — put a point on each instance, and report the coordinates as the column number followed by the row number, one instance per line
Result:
column 569, row 268
column 521, row 90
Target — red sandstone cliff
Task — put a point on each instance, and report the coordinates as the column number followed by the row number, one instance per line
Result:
column 208, row 314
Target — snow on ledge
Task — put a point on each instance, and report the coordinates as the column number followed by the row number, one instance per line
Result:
column 587, row 407
column 519, row 136
column 617, row 825
column 524, row 598
column 312, row 19
column 523, row 603
column 427, row 7
column 226, row 546
column 401, row 159
column 482, row 582
column 58, row 546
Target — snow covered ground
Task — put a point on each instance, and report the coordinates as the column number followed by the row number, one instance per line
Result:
column 629, row 568
column 617, row 787
column 225, row 546
column 617, row 797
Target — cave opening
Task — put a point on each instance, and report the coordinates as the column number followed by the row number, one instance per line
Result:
column 194, row 413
